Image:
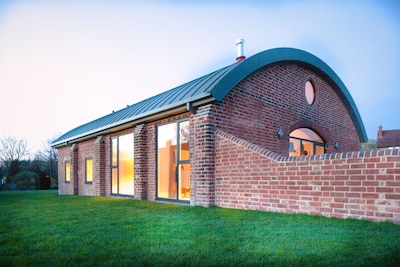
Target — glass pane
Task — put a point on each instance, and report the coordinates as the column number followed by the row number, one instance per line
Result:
column 126, row 164
column 67, row 171
column 89, row 170
column 166, row 161
column 114, row 151
column 184, row 181
column 294, row 147
column 308, row 134
column 310, row 93
column 319, row 149
column 184, row 140
column 308, row 140
column 307, row 148
column 166, row 135
column 114, row 181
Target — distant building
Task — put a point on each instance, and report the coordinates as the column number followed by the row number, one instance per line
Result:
column 388, row 139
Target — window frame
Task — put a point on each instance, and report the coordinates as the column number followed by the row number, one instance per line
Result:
column 116, row 166
column 315, row 144
column 112, row 165
column 309, row 91
column 179, row 162
column 67, row 166
column 86, row 170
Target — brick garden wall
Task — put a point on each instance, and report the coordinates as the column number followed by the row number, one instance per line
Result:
column 343, row 185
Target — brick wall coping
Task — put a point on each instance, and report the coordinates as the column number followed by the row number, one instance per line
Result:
column 276, row 157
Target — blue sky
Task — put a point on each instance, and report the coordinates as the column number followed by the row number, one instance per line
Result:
column 65, row 63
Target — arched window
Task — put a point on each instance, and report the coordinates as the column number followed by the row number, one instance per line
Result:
column 304, row 141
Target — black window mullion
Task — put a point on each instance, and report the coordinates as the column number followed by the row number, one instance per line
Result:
column 178, row 158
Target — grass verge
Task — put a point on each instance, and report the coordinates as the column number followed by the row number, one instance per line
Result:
column 40, row 228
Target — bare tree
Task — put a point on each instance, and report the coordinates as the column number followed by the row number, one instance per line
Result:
column 12, row 151
column 46, row 160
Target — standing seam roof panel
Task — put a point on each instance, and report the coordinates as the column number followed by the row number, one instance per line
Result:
column 189, row 91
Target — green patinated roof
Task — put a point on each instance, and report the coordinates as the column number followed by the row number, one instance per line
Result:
column 213, row 86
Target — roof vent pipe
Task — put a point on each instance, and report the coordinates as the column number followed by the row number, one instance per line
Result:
column 240, row 48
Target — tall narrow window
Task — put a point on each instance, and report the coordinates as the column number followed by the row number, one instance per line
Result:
column 173, row 168
column 67, row 171
column 304, row 141
column 122, row 165
column 89, row 171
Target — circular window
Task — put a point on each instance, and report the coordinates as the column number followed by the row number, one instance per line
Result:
column 310, row 93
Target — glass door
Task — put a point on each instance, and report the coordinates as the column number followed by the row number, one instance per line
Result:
column 122, row 165
column 173, row 166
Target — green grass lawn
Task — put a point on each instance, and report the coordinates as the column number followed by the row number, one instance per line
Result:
column 40, row 228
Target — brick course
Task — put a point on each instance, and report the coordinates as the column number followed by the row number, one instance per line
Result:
column 140, row 167
column 203, row 168
column 83, row 151
column 64, row 188
column 250, row 177
column 99, row 174
column 273, row 98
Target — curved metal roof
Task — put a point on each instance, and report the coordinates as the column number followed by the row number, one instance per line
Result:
column 213, row 86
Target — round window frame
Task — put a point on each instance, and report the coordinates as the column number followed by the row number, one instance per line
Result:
column 309, row 92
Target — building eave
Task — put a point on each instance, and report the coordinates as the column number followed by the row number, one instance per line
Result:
column 176, row 108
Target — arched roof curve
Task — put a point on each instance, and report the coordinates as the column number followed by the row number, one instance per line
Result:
column 279, row 55
column 210, row 87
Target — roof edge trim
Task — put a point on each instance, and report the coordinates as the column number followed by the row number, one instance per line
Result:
column 176, row 107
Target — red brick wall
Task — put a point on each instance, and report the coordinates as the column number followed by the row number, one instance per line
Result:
column 107, row 164
column 140, row 161
column 363, row 185
column 99, row 150
column 86, row 150
column 99, row 172
column 151, row 161
column 274, row 98
column 203, row 158
column 63, row 187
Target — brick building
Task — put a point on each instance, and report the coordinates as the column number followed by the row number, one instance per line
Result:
column 388, row 139
column 255, row 135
